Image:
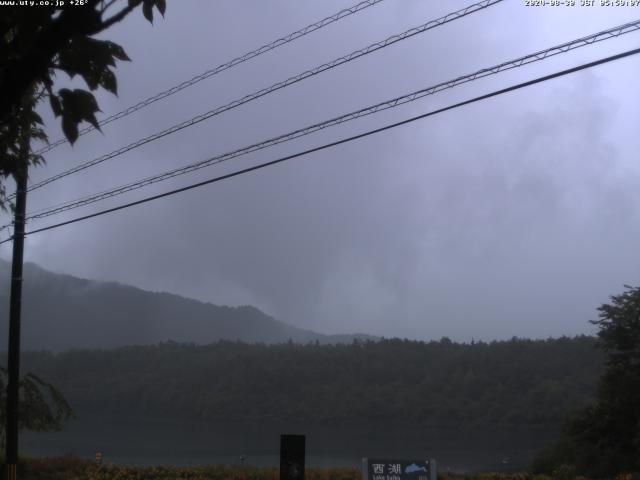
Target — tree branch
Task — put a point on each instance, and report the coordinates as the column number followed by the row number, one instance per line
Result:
column 31, row 66
column 107, row 6
column 118, row 16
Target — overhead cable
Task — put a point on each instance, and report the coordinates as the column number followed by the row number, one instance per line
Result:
column 273, row 88
column 221, row 68
column 388, row 104
column 342, row 141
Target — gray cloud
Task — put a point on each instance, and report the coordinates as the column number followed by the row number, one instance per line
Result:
column 515, row 216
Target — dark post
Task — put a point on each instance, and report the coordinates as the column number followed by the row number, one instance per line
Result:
column 292, row 449
column 13, row 385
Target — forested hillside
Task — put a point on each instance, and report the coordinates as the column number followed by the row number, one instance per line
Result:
column 517, row 382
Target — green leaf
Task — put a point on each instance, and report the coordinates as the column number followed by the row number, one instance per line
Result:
column 109, row 82
column 85, row 106
column 85, row 100
column 161, row 5
column 91, row 59
column 70, row 129
column 55, row 105
column 37, row 159
column 91, row 118
column 118, row 52
column 34, row 118
column 77, row 106
column 147, row 10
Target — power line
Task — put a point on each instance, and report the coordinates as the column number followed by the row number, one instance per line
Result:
column 275, row 87
column 221, row 68
column 344, row 140
column 538, row 56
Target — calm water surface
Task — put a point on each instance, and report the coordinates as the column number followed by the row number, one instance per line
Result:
column 164, row 441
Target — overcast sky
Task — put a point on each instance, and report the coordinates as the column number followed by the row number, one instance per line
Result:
column 514, row 216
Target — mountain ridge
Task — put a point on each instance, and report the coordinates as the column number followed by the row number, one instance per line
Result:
column 62, row 312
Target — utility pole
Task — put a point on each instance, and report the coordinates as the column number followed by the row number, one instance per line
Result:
column 13, row 367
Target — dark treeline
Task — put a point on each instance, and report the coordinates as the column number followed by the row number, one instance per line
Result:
column 516, row 382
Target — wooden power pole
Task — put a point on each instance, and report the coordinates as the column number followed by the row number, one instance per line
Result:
column 13, row 367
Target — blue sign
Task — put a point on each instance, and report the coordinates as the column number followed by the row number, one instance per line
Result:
column 386, row 469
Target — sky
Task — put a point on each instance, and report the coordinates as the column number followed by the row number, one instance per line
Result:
column 515, row 216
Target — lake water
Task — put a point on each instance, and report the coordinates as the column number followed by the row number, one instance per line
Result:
column 155, row 442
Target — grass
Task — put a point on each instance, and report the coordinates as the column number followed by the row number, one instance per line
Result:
column 74, row 468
